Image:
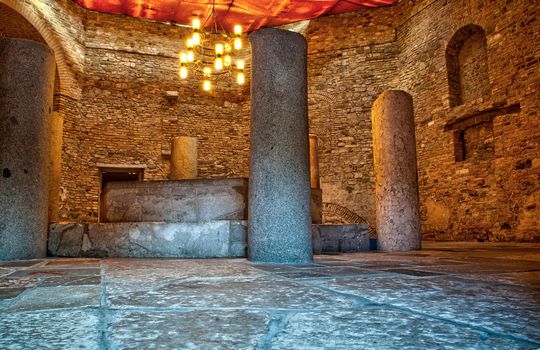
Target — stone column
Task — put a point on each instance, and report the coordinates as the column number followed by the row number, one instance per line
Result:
column 396, row 180
column 279, row 192
column 184, row 158
column 26, row 89
column 55, row 164
column 315, row 183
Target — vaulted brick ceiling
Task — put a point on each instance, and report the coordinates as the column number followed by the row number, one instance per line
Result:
column 251, row 14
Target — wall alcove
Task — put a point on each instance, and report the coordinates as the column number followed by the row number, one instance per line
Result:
column 467, row 66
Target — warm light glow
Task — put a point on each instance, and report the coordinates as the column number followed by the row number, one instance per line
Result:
column 240, row 78
column 183, row 73
column 238, row 29
column 190, row 56
column 219, row 49
column 207, row 85
column 196, row 38
column 183, row 57
column 240, row 64
column 227, row 60
column 189, row 43
column 218, row 64
column 196, row 23
column 207, row 71
column 237, row 43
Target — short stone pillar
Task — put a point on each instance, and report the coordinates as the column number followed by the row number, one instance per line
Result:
column 27, row 71
column 396, row 180
column 279, row 192
column 184, row 158
column 315, row 183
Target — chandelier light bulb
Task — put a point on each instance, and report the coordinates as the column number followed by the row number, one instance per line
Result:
column 196, row 23
column 240, row 64
column 218, row 64
column 240, row 78
column 207, row 85
column 237, row 29
column 183, row 57
column 189, row 43
column 207, row 71
column 183, row 73
column 196, row 38
column 190, row 56
column 219, row 49
column 237, row 43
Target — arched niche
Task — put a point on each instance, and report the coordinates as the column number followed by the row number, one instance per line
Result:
column 467, row 66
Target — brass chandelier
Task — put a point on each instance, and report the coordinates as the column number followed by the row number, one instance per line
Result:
column 212, row 55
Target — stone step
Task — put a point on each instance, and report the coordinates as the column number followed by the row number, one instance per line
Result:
column 210, row 239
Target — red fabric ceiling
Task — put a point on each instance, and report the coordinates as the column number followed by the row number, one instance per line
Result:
column 251, row 14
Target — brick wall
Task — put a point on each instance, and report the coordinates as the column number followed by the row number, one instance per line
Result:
column 494, row 193
column 491, row 194
column 126, row 119
column 479, row 158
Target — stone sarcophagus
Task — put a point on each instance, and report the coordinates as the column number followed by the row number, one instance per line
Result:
column 196, row 200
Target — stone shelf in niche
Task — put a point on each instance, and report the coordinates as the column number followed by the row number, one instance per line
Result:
column 465, row 116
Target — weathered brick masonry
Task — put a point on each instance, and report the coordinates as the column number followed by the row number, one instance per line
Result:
column 471, row 67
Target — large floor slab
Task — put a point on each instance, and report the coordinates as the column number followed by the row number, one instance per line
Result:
column 448, row 296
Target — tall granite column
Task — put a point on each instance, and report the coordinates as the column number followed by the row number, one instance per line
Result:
column 396, row 180
column 184, row 158
column 279, row 194
column 26, row 88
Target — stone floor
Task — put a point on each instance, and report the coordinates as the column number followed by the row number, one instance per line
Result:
column 448, row 296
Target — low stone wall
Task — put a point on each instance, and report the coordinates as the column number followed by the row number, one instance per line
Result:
column 213, row 239
column 175, row 200
column 340, row 238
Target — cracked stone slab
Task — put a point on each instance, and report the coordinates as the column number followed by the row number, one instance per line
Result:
column 75, row 329
column 501, row 308
column 380, row 329
column 43, row 298
column 70, row 281
column 135, row 275
column 216, row 293
column 187, row 330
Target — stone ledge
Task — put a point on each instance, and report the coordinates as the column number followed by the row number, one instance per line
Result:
column 213, row 239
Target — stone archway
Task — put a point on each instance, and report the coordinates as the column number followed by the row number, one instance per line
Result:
column 65, row 78
column 14, row 24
